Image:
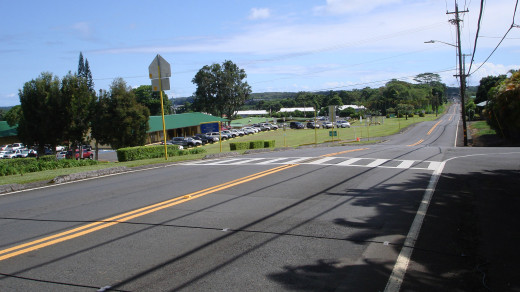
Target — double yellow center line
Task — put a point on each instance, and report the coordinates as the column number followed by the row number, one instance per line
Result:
column 429, row 133
column 102, row 224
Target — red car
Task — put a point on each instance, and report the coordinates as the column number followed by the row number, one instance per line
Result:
column 87, row 154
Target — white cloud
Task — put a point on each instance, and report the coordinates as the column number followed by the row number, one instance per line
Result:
column 84, row 29
column 259, row 13
column 352, row 6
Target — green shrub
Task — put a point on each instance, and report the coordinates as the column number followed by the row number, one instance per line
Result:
column 269, row 143
column 421, row 114
column 257, row 144
column 149, row 152
column 144, row 152
column 238, row 146
column 27, row 165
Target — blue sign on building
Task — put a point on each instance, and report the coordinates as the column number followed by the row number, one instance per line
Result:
column 209, row 127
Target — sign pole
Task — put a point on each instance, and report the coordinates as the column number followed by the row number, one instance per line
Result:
column 162, row 112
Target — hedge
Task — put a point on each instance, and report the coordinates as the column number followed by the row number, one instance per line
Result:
column 149, row 152
column 27, row 165
column 256, row 144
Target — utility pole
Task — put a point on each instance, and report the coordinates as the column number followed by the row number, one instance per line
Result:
column 462, row 73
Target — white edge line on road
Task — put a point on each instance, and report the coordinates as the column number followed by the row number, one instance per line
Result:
column 399, row 270
column 401, row 265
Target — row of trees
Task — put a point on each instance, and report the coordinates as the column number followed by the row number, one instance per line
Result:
column 426, row 95
column 56, row 111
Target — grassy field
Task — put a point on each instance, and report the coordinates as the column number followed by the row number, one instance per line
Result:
column 287, row 138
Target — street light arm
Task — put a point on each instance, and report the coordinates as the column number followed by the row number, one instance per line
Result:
column 435, row 41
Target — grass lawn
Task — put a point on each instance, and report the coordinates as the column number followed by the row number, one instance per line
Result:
column 287, row 138
column 481, row 128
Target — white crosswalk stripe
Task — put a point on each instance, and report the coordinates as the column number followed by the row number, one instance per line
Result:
column 329, row 161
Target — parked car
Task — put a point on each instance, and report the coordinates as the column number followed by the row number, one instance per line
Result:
column 328, row 125
column 342, row 124
column 12, row 153
column 206, row 138
column 15, row 146
column 87, row 154
column 2, row 153
column 273, row 126
column 217, row 135
column 312, row 125
column 238, row 132
column 23, row 153
column 296, row 125
column 267, row 126
column 5, row 147
column 229, row 133
column 186, row 142
column 192, row 142
column 249, row 130
column 61, row 155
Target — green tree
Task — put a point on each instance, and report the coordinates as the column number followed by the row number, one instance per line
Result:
column 78, row 108
column 503, row 110
column 85, row 73
column 428, row 78
column 43, row 112
column 220, row 89
column 152, row 100
column 335, row 100
column 485, row 85
column 121, row 121
column 13, row 115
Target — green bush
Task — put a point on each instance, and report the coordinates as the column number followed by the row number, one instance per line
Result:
column 238, row 146
column 27, row 165
column 257, row 144
column 269, row 143
column 149, row 152
column 421, row 114
column 145, row 152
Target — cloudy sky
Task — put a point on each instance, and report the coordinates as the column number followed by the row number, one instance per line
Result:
column 290, row 45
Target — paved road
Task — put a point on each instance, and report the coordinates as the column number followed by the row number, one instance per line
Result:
column 327, row 218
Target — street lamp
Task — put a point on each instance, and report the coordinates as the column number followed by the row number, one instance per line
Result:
column 435, row 41
column 462, row 76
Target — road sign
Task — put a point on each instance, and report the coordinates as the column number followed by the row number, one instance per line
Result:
column 159, row 62
column 165, row 84
column 333, row 133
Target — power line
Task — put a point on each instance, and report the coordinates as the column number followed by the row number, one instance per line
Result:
column 513, row 25
column 476, row 35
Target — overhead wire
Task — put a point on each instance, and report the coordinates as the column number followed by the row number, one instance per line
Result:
column 513, row 25
column 477, row 34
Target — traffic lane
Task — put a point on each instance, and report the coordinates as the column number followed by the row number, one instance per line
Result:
column 32, row 214
column 318, row 237
column 418, row 134
column 277, row 234
column 475, row 199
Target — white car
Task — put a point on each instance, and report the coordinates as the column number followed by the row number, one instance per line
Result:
column 12, row 154
column 61, row 155
column 248, row 130
column 342, row 124
column 15, row 146
column 328, row 125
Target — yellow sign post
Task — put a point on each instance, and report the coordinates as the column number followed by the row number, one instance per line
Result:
column 160, row 72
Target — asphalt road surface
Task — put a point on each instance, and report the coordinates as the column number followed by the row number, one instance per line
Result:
column 342, row 218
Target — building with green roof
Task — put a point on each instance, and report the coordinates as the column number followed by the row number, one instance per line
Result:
column 8, row 134
column 179, row 125
column 187, row 124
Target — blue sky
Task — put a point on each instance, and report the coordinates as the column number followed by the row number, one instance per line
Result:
column 290, row 45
